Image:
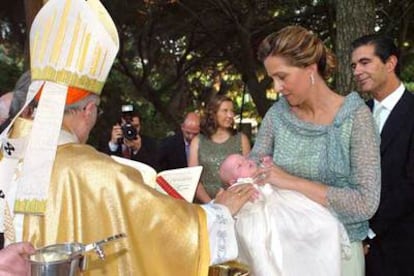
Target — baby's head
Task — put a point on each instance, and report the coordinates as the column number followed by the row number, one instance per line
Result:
column 236, row 166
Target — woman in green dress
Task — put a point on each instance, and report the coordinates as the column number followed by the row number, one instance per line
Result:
column 217, row 140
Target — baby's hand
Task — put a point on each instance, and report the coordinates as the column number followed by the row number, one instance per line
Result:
column 266, row 161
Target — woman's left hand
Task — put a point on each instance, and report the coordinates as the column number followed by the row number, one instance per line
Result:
column 277, row 177
column 273, row 175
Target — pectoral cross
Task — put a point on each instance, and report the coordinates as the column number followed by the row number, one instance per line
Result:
column 9, row 148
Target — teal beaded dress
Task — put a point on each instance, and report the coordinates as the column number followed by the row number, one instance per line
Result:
column 343, row 155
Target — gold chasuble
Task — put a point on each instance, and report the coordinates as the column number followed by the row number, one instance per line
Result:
column 92, row 197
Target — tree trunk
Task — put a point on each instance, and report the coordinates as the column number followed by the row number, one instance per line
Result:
column 354, row 18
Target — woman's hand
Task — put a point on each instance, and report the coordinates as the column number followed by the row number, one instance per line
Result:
column 235, row 197
column 274, row 175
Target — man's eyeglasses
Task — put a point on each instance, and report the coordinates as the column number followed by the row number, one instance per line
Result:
column 99, row 110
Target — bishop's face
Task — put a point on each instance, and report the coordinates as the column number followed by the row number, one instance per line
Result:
column 86, row 119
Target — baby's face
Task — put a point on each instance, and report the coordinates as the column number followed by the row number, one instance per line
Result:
column 240, row 166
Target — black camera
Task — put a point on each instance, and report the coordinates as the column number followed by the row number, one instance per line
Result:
column 129, row 132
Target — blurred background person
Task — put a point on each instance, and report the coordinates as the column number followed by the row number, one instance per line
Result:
column 5, row 101
column 217, row 140
column 10, row 104
column 15, row 100
column 127, row 141
column 19, row 97
column 174, row 150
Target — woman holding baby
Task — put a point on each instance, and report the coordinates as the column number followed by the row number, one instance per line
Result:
column 323, row 145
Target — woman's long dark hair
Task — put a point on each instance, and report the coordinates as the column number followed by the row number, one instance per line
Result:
column 208, row 125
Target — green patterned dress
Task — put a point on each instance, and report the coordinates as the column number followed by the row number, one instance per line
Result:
column 211, row 155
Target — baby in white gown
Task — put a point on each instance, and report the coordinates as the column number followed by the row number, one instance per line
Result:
column 284, row 232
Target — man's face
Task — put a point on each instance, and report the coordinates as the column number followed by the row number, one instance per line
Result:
column 86, row 119
column 370, row 73
column 189, row 132
column 136, row 122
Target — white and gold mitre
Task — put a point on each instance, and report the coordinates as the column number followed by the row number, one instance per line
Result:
column 74, row 43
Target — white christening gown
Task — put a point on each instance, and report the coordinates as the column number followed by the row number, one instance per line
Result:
column 284, row 233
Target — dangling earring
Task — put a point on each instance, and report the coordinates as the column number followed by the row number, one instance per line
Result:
column 312, row 79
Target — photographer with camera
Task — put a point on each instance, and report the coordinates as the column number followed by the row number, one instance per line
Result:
column 126, row 140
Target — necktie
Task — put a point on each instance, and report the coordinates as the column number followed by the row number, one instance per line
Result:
column 126, row 153
column 187, row 150
column 377, row 116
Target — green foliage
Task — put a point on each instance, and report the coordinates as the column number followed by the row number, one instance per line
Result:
column 10, row 73
column 407, row 72
column 175, row 55
column 409, row 86
column 9, row 76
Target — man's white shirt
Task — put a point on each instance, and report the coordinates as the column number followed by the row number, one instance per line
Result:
column 387, row 105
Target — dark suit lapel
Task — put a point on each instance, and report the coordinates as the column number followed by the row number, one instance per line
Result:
column 395, row 122
column 181, row 156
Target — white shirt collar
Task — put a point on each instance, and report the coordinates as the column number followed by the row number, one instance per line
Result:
column 391, row 100
column 66, row 137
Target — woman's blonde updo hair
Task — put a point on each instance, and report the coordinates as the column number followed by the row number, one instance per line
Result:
column 300, row 47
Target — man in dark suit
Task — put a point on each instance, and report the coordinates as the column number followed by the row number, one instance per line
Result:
column 390, row 248
column 174, row 149
column 127, row 141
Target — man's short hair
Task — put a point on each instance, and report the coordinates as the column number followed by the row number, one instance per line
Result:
column 128, row 116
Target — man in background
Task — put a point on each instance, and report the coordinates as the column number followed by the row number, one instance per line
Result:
column 12, row 102
column 376, row 68
column 128, row 142
column 5, row 101
column 174, row 150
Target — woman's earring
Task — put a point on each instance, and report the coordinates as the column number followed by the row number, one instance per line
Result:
column 312, row 79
